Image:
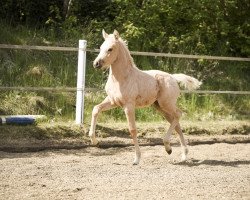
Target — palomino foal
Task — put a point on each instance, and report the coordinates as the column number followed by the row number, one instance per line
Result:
column 128, row 87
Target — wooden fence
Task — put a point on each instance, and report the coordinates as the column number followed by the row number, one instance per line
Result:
column 74, row 89
column 169, row 55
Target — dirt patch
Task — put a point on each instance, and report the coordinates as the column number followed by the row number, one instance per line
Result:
column 217, row 171
column 56, row 161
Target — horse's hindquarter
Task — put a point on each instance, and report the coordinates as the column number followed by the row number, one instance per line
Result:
column 168, row 86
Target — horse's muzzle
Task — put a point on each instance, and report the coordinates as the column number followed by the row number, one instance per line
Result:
column 98, row 64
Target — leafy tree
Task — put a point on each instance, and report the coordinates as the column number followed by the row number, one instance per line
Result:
column 216, row 27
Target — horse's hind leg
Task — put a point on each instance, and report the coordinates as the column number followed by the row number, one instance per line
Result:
column 168, row 115
column 182, row 141
column 174, row 124
column 173, row 120
column 173, row 116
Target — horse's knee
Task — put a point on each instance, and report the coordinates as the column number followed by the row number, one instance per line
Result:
column 96, row 111
column 178, row 113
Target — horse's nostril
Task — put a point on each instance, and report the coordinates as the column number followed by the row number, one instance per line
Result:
column 98, row 64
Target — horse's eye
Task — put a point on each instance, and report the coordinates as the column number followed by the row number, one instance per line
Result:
column 109, row 50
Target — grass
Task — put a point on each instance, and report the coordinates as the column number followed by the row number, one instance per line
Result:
column 51, row 69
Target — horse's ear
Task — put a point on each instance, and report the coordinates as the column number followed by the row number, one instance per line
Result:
column 116, row 34
column 104, row 34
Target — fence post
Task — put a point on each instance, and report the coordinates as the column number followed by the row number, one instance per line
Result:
column 80, row 81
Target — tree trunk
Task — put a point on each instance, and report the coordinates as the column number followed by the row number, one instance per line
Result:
column 66, row 8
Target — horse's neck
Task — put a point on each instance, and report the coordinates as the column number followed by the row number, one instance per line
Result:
column 121, row 69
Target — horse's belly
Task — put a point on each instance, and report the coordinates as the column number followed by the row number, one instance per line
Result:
column 147, row 96
column 141, row 102
column 148, row 90
column 143, row 99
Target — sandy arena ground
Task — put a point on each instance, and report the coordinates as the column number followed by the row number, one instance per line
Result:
column 217, row 171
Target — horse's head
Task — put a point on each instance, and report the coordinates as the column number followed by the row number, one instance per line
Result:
column 108, row 50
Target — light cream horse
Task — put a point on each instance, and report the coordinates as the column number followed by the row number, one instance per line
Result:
column 128, row 87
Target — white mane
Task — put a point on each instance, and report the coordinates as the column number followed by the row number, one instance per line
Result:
column 125, row 45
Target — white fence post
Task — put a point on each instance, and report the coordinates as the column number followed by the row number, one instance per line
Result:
column 80, row 81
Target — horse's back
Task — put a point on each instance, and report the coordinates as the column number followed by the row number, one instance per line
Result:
column 156, row 73
column 164, row 78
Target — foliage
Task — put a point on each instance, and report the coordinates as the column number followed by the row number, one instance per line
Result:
column 192, row 27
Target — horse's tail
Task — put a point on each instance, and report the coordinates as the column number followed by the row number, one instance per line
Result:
column 188, row 82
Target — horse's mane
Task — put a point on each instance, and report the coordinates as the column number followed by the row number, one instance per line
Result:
column 125, row 45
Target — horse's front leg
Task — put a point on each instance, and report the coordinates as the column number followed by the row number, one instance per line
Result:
column 105, row 105
column 130, row 115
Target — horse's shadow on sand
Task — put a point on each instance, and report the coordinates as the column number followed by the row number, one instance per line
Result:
column 106, row 131
column 195, row 163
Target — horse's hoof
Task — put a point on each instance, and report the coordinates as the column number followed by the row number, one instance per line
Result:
column 167, row 147
column 135, row 162
column 94, row 142
column 183, row 158
column 184, row 154
column 169, row 151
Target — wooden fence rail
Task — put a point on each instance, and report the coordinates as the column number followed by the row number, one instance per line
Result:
column 169, row 55
column 71, row 89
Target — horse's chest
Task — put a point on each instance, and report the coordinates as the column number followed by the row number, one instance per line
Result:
column 120, row 93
